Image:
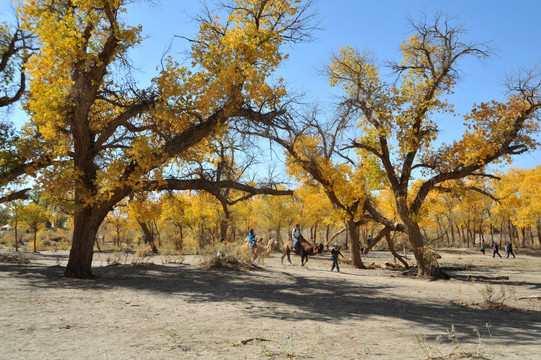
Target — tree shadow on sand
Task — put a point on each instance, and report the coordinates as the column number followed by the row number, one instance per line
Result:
column 286, row 296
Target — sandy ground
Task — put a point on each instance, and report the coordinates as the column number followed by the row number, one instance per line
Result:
column 183, row 311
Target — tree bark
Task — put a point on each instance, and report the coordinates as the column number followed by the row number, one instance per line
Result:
column 327, row 236
column 451, row 225
column 117, row 238
column 35, row 240
column 179, row 243
column 149, row 236
column 157, row 232
column 393, row 251
column 355, row 249
column 16, row 236
column 85, row 227
column 426, row 258
column 224, row 225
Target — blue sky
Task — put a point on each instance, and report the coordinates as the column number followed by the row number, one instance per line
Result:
column 513, row 29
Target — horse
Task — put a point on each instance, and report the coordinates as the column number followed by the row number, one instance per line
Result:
column 304, row 249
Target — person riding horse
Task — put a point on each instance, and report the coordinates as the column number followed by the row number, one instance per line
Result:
column 296, row 236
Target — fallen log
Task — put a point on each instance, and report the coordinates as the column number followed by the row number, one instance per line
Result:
column 531, row 297
column 482, row 277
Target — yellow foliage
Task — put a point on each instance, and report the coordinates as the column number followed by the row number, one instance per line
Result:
column 342, row 182
column 520, row 191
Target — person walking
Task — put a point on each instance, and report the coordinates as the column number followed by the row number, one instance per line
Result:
column 509, row 250
column 495, row 247
column 483, row 246
column 335, row 252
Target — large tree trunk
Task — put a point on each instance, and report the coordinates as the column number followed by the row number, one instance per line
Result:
column 427, row 262
column 85, row 227
column 149, row 236
column 355, row 249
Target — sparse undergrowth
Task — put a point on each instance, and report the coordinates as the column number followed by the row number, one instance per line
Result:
column 14, row 258
column 228, row 263
column 493, row 299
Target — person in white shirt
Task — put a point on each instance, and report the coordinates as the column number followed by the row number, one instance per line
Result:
column 296, row 236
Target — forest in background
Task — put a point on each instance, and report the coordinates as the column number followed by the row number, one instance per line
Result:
column 194, row 222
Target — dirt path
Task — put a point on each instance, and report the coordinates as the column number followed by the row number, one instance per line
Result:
column 181, row 311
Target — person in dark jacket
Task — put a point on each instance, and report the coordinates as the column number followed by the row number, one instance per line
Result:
column 495, row 247
column 335, row 252
column 509, row 250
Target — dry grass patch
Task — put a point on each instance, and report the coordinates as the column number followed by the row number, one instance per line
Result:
column 14, row 258
column 228, row 263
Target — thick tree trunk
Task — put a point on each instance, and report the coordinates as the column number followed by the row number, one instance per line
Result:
column 149, row 236
column 427, row 262
column 85, row 227
column 355, row 249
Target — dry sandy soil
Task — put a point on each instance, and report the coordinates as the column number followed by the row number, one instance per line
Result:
column 184, row 311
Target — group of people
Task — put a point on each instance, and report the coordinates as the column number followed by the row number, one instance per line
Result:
column 495, row 247
column 296, row 236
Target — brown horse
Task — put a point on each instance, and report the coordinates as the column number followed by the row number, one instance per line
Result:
column 304, row 248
